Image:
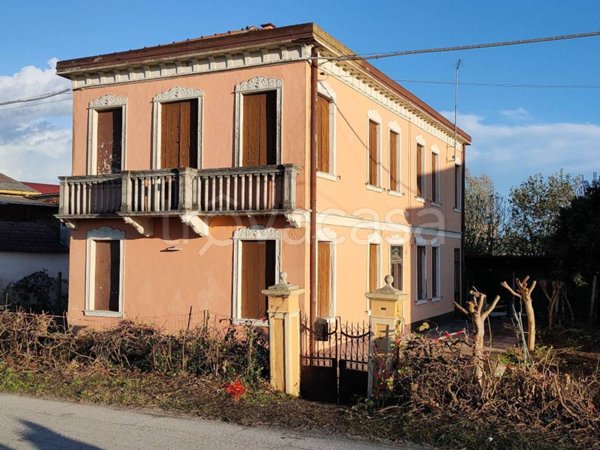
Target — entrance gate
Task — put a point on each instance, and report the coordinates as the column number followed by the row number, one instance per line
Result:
column 334, row 361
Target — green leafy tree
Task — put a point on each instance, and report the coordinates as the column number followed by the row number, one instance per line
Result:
column 486, row 216
column 576, row 239
column 534, row 209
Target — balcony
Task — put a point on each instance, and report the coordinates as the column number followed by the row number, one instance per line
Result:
column 192, row 194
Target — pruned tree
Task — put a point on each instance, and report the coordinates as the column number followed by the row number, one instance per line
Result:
column 477, row 312
column 552, row 297
column 523, row 292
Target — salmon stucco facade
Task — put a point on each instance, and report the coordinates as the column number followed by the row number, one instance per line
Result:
column 204, row 168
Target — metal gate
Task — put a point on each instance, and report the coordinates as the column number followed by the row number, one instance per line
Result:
column 334, row 361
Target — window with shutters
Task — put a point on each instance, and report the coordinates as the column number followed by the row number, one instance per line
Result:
column 374, row 267
column 458, row 184
column 259, row 129
column 177, row 129
column 179, row 134
column 397, row 265
column 257, row 273
column 374, row 162
column 421, row 273
column 106, row 135
column 420, row 159
column 435, row 273
column 104, row 273
column 395, row 160
column 435, row 177
column 324, row 134
column 258, row 105
column 325, row 280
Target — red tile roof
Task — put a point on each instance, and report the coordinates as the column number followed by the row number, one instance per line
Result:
column 43, row 188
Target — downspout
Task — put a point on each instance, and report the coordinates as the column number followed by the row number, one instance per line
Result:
column 463, row 274
column 314, row 79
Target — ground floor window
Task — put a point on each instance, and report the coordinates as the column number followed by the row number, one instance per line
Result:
column 421, row 272
column 457, row 275
column 373, row 267
column 435, row 272
column 325, row 280
column 104, row 272
column 396, row 260
column 257, row 273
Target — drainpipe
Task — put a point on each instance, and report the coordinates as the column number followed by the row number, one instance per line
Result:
column 314, row 79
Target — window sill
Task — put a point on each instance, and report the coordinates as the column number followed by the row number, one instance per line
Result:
column 96, row 313
column 456, row 210
column 396, row 193
column 370, row 187
column 421, row 302
column 436, row 204
column 436, row 299
column 420, row 199
column 327, row 176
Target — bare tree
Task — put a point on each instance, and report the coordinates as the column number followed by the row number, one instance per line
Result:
column 552, row 297
column 523, row 292
column 477, row 313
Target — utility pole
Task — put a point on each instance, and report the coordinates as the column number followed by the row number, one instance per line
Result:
column 456, row 104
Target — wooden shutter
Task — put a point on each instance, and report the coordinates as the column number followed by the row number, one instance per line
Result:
column 179, row 134
column 435, row 256
column 109, row 141
column 373, row 266
column 257, row 273
column 324, row 279
column 260, row 129
column 107, row 275
column 434, row 175
column 420, row 192
column 421, row 289
column 323, row 134
column 373, row 128
column 394, row 161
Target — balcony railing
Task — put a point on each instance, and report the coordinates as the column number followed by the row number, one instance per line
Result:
column 237, row 190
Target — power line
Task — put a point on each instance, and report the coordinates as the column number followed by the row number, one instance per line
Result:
column 35, row 98
column 357, row 56
column 35, row 104
column 507, row 85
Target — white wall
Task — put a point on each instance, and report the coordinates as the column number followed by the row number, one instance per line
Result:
column 14, row 266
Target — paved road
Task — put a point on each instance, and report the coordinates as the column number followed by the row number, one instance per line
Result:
column 30, row 423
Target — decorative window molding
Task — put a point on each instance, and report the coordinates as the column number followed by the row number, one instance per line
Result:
column 396, row 240
column 174, row 95
column 102, row 234
column 325, row 90
column 254, row 85
column 108, row 101
column 420, row 140
column 253, row 233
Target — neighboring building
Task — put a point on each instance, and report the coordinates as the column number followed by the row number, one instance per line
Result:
column 31, row 238
column 200, row 166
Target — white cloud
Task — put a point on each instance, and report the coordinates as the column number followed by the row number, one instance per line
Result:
column 515, row 114
column 510, row 153
column 35, row 137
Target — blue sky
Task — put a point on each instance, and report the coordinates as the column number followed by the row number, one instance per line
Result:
column 516, row 131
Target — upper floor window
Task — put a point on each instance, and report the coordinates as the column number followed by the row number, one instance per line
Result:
column 435, row 176
column 258, row 122
column 106, row 139
column 420, row 170
column 374, row 153
column 177, row 121
column 395, row 161
column 323, row 134
column 458, row 183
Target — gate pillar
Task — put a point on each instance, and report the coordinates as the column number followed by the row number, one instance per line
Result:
column 284, row 335
column 386, row 318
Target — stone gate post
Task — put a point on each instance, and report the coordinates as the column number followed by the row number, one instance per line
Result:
column 284, row 335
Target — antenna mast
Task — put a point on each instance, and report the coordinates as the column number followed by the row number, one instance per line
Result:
column 456, row 104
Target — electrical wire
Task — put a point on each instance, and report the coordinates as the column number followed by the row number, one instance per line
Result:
column 35, row 104
column 382, row 55
column 37, row 97
column 507, row 85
